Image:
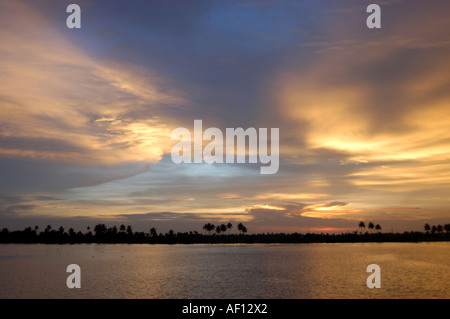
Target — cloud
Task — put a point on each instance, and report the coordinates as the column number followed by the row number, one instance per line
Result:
column 85, row 117
column 56, row 99
column 292, row 219
column 377, row 104
column 11, row 205
column 374, row 95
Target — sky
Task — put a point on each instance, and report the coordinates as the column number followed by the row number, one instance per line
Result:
column 86, row 115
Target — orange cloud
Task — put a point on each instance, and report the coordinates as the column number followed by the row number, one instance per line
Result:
column 51, row 92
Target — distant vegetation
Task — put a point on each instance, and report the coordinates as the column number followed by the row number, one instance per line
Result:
column 214, row 234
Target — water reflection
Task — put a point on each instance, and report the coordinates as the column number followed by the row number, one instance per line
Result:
column 408, row 270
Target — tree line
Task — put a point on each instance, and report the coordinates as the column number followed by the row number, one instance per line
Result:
column 370, row 226
column 436, row 229
column 427, row 227
column 223, row 228
column 122, row 234
column 212, row 234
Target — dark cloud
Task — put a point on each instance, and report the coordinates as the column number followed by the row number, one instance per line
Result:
column 39, row 144
column 335, row 204
column 290, row 220
column 24, row 175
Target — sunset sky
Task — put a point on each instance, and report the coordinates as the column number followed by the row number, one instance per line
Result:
column 86, row 115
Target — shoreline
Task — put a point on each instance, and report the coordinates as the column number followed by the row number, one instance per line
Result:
column 232, row 239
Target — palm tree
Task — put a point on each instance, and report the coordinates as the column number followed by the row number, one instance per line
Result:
column 361, row 225
column 439, row 228
column 230, row 225
column 371, row 226
column 206, row 227
column 427, row 227
column 218, row 229
column 122, row 228
column 99, row 229
column 223, row 228
column 129, row 230
column 89, row 233
column 378, row 227
column 242, row 228
column 209, row 227
column 153, row 232
column 433, row 229
column 447, row 228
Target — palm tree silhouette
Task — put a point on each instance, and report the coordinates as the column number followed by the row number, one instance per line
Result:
column 209, row 227
column 229, row 226
column 371, row 226
column 99, row 229
column 447, row 228
column 427, row 227
column 129, row 230
column 242, row 228
column 361, row 225
column 378, row 227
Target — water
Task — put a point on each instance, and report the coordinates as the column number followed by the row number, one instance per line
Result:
column 408, row 270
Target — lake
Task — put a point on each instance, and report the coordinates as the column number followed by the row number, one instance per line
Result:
column 288, row 271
